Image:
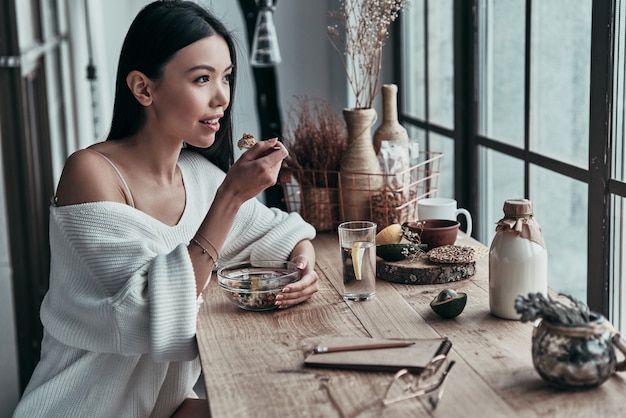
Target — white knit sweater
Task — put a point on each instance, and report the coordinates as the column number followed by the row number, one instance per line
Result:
column 120, row 314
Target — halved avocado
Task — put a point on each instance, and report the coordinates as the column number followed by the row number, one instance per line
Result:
column 397, row 252
column 448, row 303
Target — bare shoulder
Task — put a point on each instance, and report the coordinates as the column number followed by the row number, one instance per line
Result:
column 88, row 177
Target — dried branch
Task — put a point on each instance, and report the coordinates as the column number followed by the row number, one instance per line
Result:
column 360, row 31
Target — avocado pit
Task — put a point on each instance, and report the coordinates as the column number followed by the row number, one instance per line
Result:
column 449, row 303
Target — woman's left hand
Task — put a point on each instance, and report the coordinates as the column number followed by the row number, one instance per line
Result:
column 304, row 257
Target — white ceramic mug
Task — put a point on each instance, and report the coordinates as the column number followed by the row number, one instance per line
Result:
column 443, row 208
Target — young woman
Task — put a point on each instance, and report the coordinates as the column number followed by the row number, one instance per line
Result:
column 139, row 220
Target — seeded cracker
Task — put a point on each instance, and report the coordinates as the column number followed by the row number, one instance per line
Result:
column 452, row 254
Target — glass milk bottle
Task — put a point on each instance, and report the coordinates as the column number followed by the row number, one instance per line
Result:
column 518, row 260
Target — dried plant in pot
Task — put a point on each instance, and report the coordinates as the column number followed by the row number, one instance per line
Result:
column 358, row 32
column 316, row 139
column 572, row 347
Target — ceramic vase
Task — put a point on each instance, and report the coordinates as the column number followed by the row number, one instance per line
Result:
column 390, row 129
column 576, row 357
column 361, row 174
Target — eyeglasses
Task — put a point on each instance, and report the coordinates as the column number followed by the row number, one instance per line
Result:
column 430, row 381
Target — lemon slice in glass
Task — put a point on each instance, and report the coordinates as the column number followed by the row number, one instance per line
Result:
column 357, row 258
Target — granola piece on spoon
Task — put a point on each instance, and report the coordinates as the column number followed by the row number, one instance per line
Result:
column 246, row 141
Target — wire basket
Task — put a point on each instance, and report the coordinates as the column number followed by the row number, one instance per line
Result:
column 323, row 199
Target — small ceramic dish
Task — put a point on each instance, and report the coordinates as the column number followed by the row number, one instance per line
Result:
column 432, row 232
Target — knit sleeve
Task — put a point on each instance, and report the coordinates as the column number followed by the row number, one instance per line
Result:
column 119, row 285
column 262, row 233
column 258, row 232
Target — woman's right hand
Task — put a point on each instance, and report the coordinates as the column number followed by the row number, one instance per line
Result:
column 255, row 170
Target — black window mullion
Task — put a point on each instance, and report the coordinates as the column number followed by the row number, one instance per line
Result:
column 438, row 129
column 465, row 107
column 527, row 98
column 397, row 50
column 600, row 101
column 557, row 166
column 426, row 76
column 617, row 188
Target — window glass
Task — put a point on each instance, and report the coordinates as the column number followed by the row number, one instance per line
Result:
column 560, row 79
column 501, row 178
column 618, row 263
column 436, row 143
column 414, row 101
column 501, row 62
column 49, row 20
column 445, row 145
column 560, row 207
column 25, row 13
column 57, row 108
column 441, row 63
column 427, row 176
column 417, row 141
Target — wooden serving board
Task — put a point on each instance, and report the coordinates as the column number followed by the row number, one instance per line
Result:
column 420, row 270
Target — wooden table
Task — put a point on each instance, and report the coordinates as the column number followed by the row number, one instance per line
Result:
column 253, row 361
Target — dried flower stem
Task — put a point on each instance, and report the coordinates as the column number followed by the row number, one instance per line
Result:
column 316, row 139
column 364, row 27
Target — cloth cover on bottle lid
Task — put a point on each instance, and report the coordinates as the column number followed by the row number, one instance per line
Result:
column 518, row 218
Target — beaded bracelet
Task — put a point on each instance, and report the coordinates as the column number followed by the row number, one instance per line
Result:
column 204, row 250
column 217, row 253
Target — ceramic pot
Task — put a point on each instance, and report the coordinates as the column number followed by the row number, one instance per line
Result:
column 361, row 174
column 433, row 232
column 576, row 357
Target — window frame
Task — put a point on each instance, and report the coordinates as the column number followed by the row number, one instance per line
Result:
column 467, row 141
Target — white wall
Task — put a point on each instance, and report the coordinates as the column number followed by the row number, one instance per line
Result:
column 310, row 66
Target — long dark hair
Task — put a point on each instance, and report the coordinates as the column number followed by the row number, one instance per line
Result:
column 159, row 31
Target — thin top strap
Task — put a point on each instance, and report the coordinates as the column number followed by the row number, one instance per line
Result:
column 130, row 195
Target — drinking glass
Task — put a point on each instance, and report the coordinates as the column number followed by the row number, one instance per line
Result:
column 357, row 241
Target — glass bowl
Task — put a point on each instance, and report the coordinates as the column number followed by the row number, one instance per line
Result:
column 253, row 285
